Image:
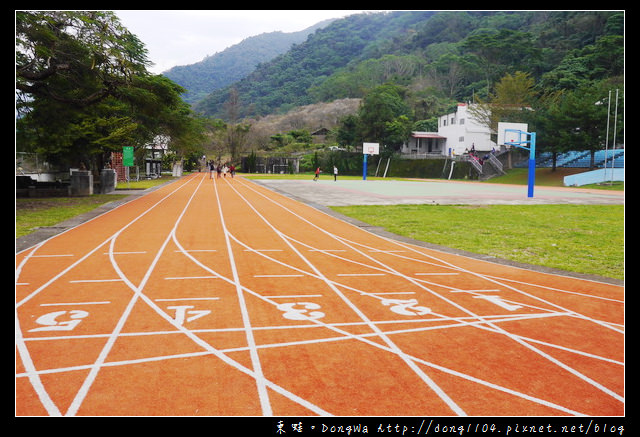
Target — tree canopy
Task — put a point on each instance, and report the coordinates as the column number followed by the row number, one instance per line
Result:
column 83, row 90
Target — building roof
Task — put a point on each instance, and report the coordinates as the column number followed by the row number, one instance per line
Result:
column 426, row 135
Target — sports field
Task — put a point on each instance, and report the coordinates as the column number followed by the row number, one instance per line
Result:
column 220, row 297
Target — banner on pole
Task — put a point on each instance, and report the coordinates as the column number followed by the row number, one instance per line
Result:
column 127, row 156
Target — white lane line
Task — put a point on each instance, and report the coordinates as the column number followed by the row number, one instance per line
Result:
column 436, row 274
column 25, row 356
column 396, row 292
column 347, row 335
column 360, row 274
column 293, row 296
column 498, row 329
column 175, row 278
column 218, row 353
column 50, row 256
column 278, row 276
column 127, row 253
column 137, row 293
column 172, row 299
column 73, row 303
column 390, row 344
column 263, row 394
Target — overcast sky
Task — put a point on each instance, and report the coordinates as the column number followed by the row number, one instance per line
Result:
column 183, row 37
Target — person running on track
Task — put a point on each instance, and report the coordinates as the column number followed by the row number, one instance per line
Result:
column 317, row 174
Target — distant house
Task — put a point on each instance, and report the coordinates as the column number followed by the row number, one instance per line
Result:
column 458, row 132
column 425, row 143
column 319, row 135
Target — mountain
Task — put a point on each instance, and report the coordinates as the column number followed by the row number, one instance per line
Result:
column 438, row 58
column 287, row 77
column 234, row 63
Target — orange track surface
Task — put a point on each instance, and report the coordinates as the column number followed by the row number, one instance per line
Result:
column 222, row 298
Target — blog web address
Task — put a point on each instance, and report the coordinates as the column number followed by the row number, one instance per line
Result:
column 445, row 426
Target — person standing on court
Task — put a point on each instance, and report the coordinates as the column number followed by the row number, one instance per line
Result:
column 317, row 174
column 335, row 173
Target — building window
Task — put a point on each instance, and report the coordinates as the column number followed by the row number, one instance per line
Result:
column 461, row 139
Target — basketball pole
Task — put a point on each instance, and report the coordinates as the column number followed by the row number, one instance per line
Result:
column 532, row 164
column 364, row 166
column 532, row 155
column 368, row 149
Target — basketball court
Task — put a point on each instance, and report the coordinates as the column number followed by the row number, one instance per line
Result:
column 441, row 192
column 220, row 297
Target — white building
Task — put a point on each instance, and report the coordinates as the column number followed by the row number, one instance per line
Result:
column 458, row 132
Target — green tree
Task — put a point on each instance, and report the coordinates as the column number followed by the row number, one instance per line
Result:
column 380, row 108
column 502, row 51
column 577, row 120
column 76, row 58
column 347, row 131
column 84, row 91
column 397, row 132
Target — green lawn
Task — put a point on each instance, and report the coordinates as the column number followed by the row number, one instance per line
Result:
column 35, row 213
column 577, row 238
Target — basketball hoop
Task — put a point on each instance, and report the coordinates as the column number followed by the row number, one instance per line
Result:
column 368, row 149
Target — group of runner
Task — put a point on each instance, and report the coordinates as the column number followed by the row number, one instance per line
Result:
column 221, row 170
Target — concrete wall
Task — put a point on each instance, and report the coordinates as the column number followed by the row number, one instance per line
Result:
column 594, row 177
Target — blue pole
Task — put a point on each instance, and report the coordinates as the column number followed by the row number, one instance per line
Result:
column 532, row 163
column 364, row 167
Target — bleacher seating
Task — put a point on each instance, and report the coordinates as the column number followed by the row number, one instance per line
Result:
column 579, row 159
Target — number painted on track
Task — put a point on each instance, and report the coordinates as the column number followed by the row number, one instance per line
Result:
column 51, row 322
column 292, row 313
column 408, row 307
column 181, row 312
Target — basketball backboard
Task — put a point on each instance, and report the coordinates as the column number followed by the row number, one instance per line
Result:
column 370, row 148
column 510, row 134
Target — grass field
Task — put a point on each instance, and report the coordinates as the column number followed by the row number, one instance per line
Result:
column 34, row 213
column 578, row 238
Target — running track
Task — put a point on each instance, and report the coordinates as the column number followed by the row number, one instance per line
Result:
column 222, row 298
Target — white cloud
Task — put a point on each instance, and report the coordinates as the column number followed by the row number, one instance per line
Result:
column 182, row 37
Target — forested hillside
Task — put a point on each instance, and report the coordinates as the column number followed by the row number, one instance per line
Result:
column 436, row 57
column 234, row 63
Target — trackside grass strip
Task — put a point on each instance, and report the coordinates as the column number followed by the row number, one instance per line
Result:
column 577, row 238
column 32, row 214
